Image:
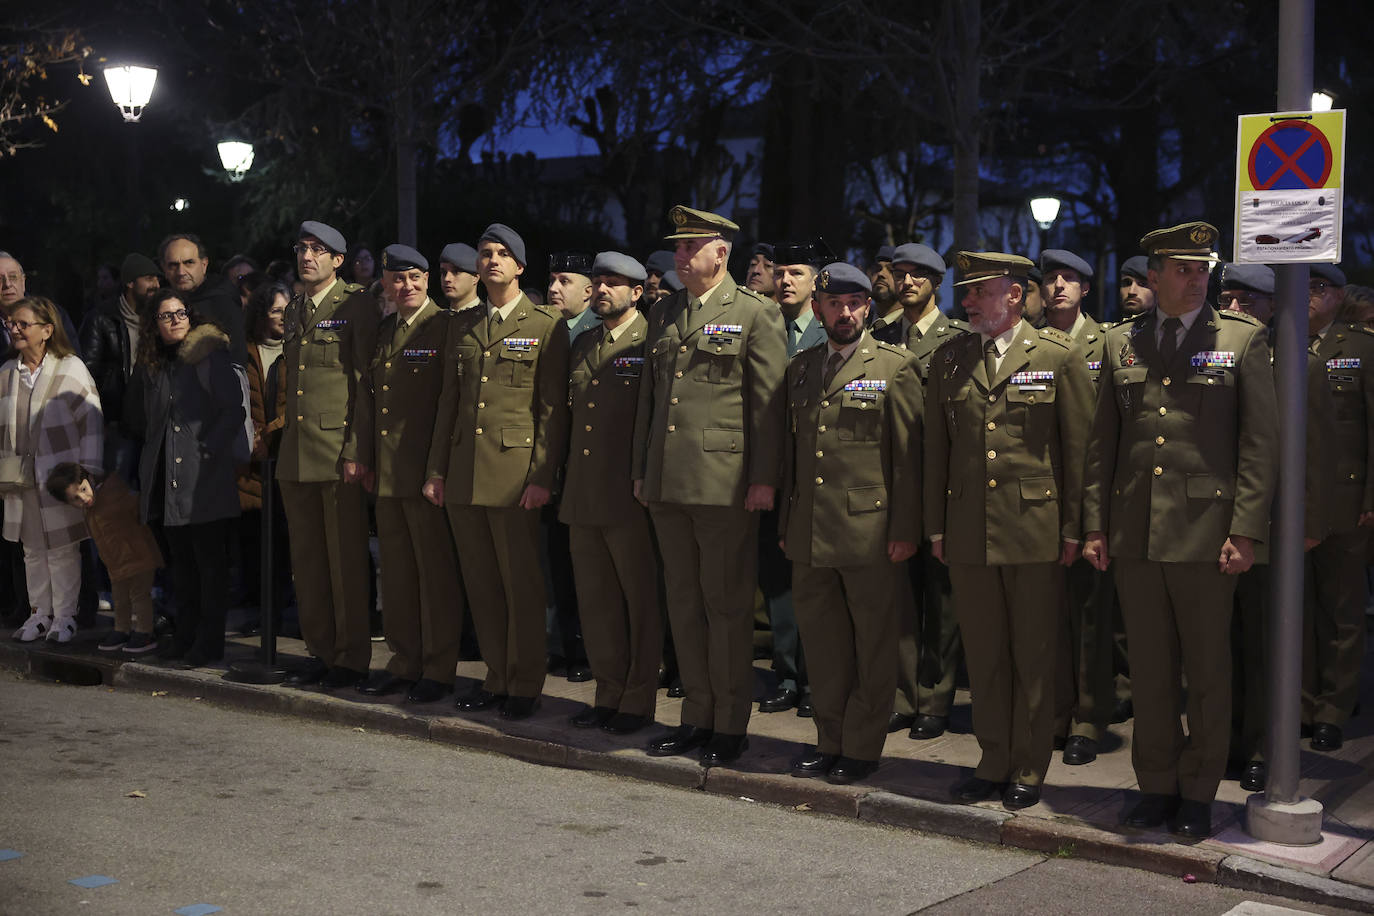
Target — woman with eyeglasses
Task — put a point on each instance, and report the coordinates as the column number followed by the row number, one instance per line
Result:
column 192, row 413
column 49, row 414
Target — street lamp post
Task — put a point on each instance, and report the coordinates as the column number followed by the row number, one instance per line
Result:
column 1044, row 210
column 130, row 89
column 237, row 158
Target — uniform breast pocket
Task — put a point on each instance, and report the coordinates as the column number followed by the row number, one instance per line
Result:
column 861, row 415
column 325, row 348
column 1347, row 393
column 462, row 360
column 1215, row 391
column 1026, row 403
column 719, row 357
column 515, row 367
column 1128, row 384
column 660, row 358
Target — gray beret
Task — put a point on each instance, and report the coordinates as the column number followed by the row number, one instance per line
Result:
column 1330, row 273
column 922, row 256
column 884, row 253
column 137, row 265
column 671, row 280
column 1059, row 259
column 1257, row 278
column 841, row 279
column 403, row 257
column 329, row 237
column 660, row 262
column 463, row 257
column 1138, row 267
column 500, row 232
column 1033, row 274
column 622, row 265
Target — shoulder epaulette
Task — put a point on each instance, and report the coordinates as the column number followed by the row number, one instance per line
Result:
column 548, row 310
column 351, row 288
column 960, row 325
column 892, row 348
column 1362, row 328
column 1062, row 338
column 1240, row 316
column 749, row 292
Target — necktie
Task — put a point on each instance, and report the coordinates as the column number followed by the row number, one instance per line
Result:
column 1168, row 344
column 832, row 366
column 494, row 328
column 990, row 360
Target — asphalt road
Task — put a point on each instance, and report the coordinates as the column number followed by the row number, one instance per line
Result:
column 184, row 803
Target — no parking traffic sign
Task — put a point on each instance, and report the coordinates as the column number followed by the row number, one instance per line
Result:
column 1289, row 170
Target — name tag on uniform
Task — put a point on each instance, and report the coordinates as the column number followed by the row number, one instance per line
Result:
column 866, row 389
column 720, row 332
column 1349, row 363
column 628, row 366
column 329, row 324
column 1027, row 380
column 521, row 344
column 419, row 354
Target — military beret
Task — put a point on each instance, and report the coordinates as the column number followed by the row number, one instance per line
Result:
column 403, row 257
column 137, row 265
column 1257, row 278
column 814, row 252
column 762, row 248
column 500, row 232
column 672, row 281
column 329, row 237
column 841, row 279
column 660, row 262
column 1059, row 259
column 884, row 253
column 1330, row 273
column 1034, row 275
column 1138, row 267
column 570, row 262
column 621, row 265
column 1186, row 241
column 923, row 256
column 463, row 257
column 987, row 265
column 699, row 224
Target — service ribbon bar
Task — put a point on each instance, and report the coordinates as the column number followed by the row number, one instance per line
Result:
column 1031, row 376
column 716, row 330
column 521, row 343
column 1343, row 363
column 1215, row 359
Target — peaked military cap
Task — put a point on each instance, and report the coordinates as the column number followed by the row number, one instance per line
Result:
column 660, row 262
column 1138, row 267
column 622, row 265
column 500, row 232
column 884, row 253
column 137, row 265
column 762, row 248
column 699, row 224
column 1257, row 278
column 403, row 257
column 570, row 262
column 922, row 256
column 814, row 252
column 1059, row 259
column 986, row 265
column 329, row 237
column 841, row 279
column 672, row 281
column 1330, row 273
column 1186, row 241
column 463, row 257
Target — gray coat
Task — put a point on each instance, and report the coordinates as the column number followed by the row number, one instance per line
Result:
column 193, row 415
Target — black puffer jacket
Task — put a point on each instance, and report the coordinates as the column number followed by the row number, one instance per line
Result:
column 104, row 343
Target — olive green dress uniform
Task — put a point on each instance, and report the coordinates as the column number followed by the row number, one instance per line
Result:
column 1182, row 456
column 326, row 351
column 853, row 485
column 710, row 424
column 422, row 595
column 612, row 546
column 1003, row 484
column 502, row 424
column 1338, row 590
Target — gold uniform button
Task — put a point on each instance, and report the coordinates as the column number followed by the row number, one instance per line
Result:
column 677, row 374
column 820, row 480
column 589, row 427
column 1158, row 470
column 1049, row 493
column 682, row 349
column 1159, row 440
column 820, row 429
column 1218, row 492
column 595, row 381
column 386, row 387
column 1168, row 381
column 300, row 392
column 1211, row 381
column 383, row 432
column 302, row 367
column 388, row 365
column 993, row 483
column 478, row 430
column 820, row 454
column 991, row 426
column 1162, row 411
column 877, row 503
column 672, row 400
column 591, row 404
column 825, row 403
column 992, row 453
column 484, row 378
column 586, row 451
column 992, row 397
column 386, row 410
column 178, row 461
column 672, row 428
column 486, row 353
column 481, row 404
column 1352, row 476
column 300, row 419
column 527, row 440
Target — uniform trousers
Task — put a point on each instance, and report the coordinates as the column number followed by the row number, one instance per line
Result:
column 928, row 644
column 775, row 582
column 710, row 567
column 422, row 599
column 1009, row 618
column 622, row 623
column 1084, row 687
column 1178, row 623
column 498, row 550
column 1333, row 644
column 848, row 617
column 1250, row 664
column 329, row 560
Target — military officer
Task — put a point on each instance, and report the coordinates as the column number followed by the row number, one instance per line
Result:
column 929, row 648
column 707, row 459
column 500, row 433
column 851, row 516
column 1180, row 481
column 885, row 306
column 1334, row 646
column 422, row 597
column 1008, row 421
column 658, row 265
column 458, row 276
column 570, row 290
column 331, row 331
column 612, row 549
column 1084, row 689
column 1136, row 296
column 759, row 274
column 1033, row 304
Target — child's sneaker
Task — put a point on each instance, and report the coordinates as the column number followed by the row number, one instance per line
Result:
column 113, row 640
column 140, row 643
column 36, row 627
column 63, row 629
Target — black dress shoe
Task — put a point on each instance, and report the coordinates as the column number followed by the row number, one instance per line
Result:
column 1079, row 750
column 676, row 690
column 624, row 723
column 592, row 717
column 783, row 698
column 311, row 673
column 1152, row 810
column 925, row 727
column 848, row 770
column 427, row 690
column 1193, row 820
column 1326, row 737
column 384, row 684
column 1123, row 711
column 813, row 763
column 899, row 721
column 516, row 708
column 1060, row 742
column 804, row 708
column 680, row 740
column 976, row 789
column 1252, row 780
column 1019, row 795
column 339, row 676
column 723, row 749
column 479, row 698
column 579, row 674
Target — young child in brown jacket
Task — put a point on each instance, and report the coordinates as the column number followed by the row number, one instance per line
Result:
column 127, row 548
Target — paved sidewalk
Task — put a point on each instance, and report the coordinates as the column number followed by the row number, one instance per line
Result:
column 1078, row 816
